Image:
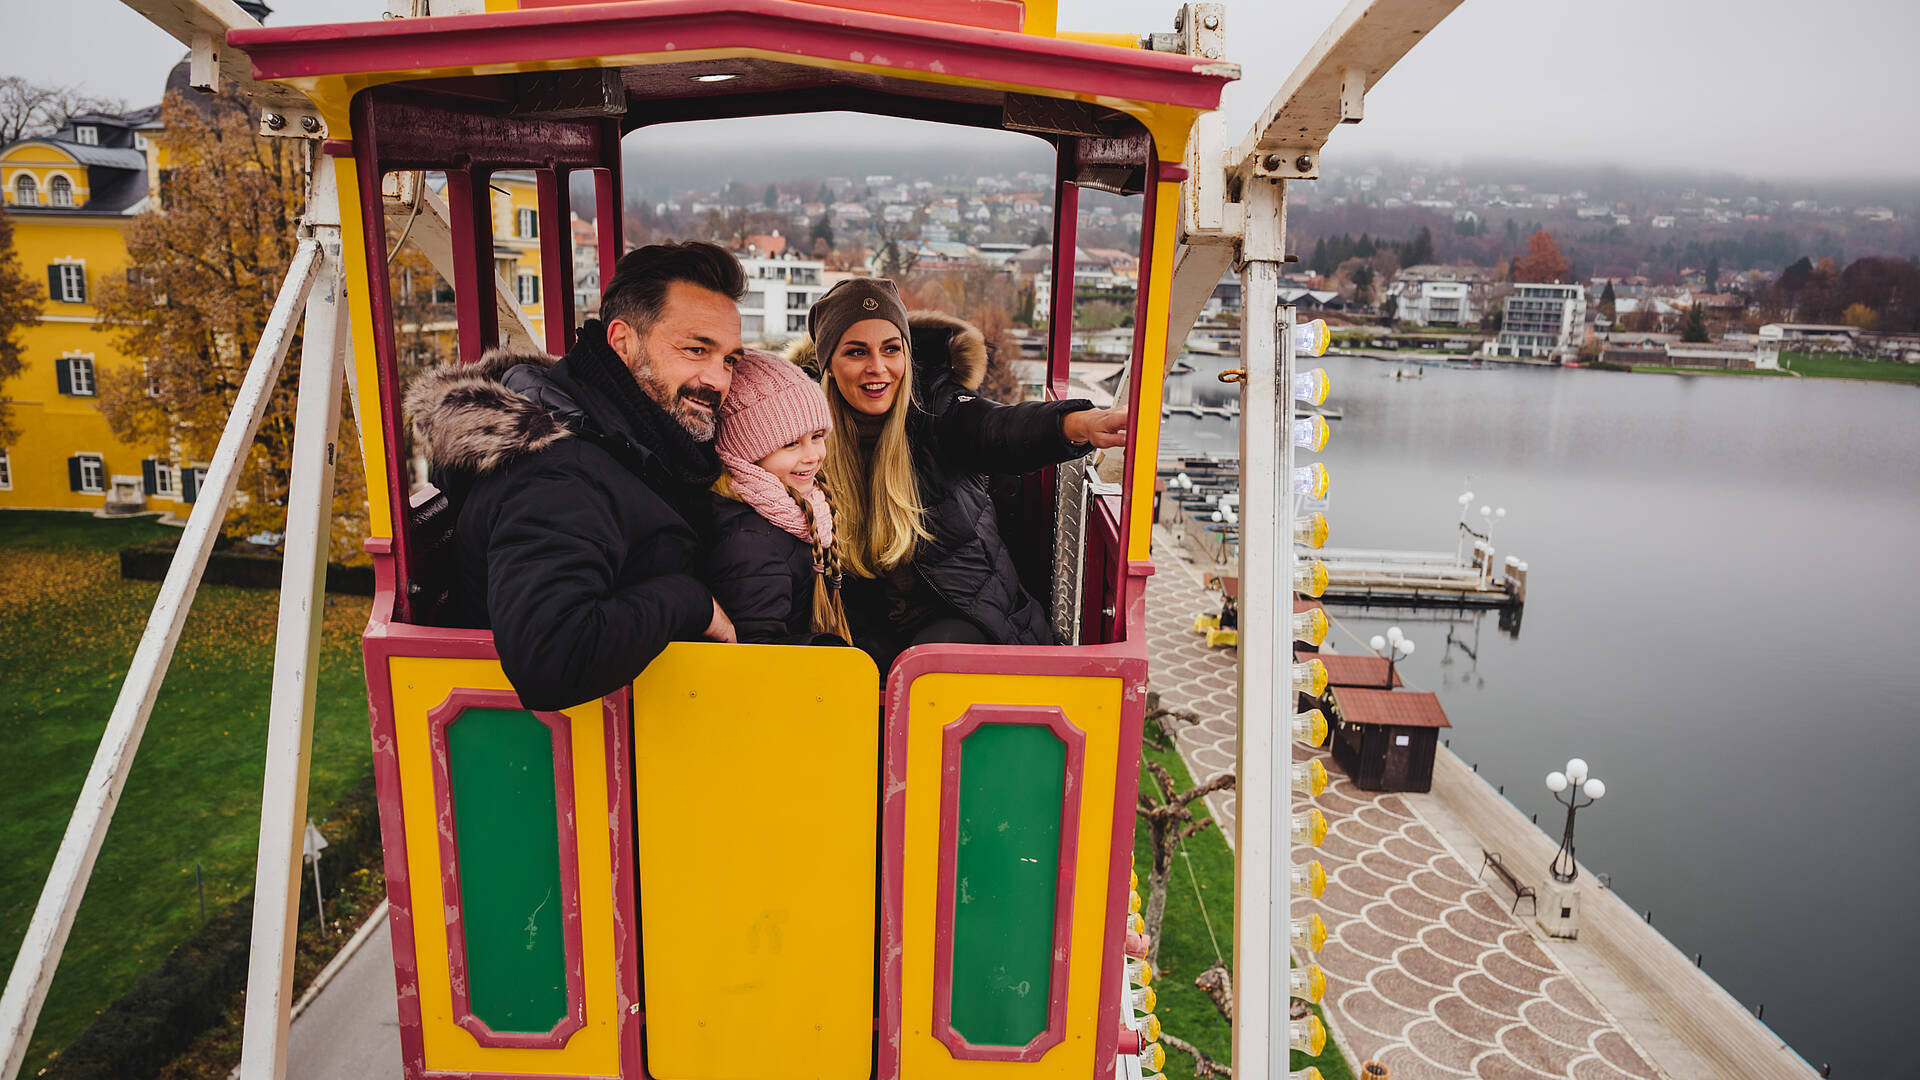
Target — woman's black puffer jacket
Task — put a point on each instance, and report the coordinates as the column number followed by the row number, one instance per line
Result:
column 958, row 440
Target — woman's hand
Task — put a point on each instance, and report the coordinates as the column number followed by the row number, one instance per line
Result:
column 1100, row 428
column 721, row 628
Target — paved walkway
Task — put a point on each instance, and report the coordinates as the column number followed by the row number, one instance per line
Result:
column 1427, row 970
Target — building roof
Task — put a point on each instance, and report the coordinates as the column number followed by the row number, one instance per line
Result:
column 1345, row 670
column 1389, row 708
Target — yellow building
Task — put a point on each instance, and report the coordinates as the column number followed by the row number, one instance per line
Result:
column 516, row 242
column 72, row 195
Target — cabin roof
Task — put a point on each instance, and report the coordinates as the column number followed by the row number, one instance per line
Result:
column 1343, row 670
column 639, row 37
column 1389, row 708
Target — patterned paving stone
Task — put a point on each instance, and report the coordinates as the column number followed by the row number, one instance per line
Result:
column 1428, row 970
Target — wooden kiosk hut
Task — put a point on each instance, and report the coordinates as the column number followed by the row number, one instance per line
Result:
column 1385, row 739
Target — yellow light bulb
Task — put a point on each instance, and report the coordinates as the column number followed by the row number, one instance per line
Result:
column 1310, row 932
column 1133, row 880
column 1310, row 678
column 1311, row 530
column 1310, row 578
column 1312, row 338
column 1310, row 433
column 1312, row 387
column 1144, row 999
column 1137, row 922
column 1310, row 828
column 1308, row 1073
column 1140, row 972
column 1133, row 902
column 1310, row 626
column 1311, row 481
column 1308, row 983
column 1310, row 727
column 1309, row 879
column 1309, row 1036
column 1309, row 776
column 1153, row 1057
column 1150, row 1027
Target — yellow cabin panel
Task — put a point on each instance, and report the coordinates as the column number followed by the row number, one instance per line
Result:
column 421, row 685
column 757, row 825
column 935, row 701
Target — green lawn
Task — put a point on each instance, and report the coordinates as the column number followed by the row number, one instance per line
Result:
column 1186, row 949
column 1658, row 369
column 1840, row 366
column 68, row 626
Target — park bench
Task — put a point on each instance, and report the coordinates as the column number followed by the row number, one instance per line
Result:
column 1492, row 858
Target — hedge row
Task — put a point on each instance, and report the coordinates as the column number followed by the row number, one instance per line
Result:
column 245, row 565
column 188, row 992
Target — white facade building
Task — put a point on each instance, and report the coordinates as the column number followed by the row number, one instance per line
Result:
column 1438, row 295
column 779, row 292
column 1542, row 322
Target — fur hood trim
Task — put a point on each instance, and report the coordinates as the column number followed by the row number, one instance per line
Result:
column 468, row 418
column 937, row 337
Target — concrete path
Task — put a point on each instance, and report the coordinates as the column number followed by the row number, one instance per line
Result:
column 1428, row 970
column 351, row 1029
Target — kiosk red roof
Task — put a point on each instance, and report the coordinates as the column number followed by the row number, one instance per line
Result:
column 1343, row 670
column 1389, row 708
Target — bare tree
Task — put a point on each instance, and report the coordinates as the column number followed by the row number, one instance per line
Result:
column 1169, row 824
column 30, row 108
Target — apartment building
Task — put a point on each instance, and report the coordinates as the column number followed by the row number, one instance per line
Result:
column 1542, row 322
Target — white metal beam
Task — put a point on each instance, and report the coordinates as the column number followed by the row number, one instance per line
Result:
column 201, row 27
column 296, row 658
column 1356, row 51
column 66, row 883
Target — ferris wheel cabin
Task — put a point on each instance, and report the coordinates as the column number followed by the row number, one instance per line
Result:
column 709, row 877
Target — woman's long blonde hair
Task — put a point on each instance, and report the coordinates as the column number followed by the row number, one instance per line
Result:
column 878, row 515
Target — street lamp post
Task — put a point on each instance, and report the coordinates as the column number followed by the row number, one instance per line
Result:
column 1560, row 916
column 1395, row 647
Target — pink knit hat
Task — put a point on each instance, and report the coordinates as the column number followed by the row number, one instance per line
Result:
column 772, row 403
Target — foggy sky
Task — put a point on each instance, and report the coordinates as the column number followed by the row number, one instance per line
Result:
column 1768, row 88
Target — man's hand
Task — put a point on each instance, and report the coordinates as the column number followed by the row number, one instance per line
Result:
column 1101, row 428
column 721, row 628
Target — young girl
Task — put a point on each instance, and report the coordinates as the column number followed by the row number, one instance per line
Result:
column 773, row 568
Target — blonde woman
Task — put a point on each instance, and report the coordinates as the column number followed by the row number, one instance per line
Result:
column 907, row 461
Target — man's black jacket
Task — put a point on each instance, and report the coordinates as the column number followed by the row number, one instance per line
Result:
column 579, row 516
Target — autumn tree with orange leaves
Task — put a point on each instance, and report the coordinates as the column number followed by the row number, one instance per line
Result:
column 204, row 268
column 1543, row 262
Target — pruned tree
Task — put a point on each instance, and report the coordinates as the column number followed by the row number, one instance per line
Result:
column 204, row 269
column 1543, row 262
column 1608, row 302
column 1168, row 814
column 19, row 309
column 30, row 108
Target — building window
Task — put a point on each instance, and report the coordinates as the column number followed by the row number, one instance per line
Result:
column 60, row 191
column 526, row 288
column 796, row 324
column 86, row 135
column 76, row 375
column 158, row 476
column 25, row 191
column 139, row 141
column 67, row 282
column 6, row 471
column 529, row 222
column 87, row 473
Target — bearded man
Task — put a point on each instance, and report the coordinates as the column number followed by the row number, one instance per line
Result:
column 582, row 483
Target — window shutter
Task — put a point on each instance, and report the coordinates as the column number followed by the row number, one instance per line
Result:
column 73, row 473
column 533, row 290
column 53, row 281
column 149, row 476
column 63, row 371
column 189, row 484
column 83, row 284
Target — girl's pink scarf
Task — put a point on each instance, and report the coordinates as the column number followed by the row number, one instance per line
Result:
column 770, row 498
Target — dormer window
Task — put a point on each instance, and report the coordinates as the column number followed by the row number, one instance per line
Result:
column 60, row 191
column 86, row 135
column 25, row 191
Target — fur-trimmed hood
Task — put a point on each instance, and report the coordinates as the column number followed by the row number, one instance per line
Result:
column 940, row 341
column 477, row 418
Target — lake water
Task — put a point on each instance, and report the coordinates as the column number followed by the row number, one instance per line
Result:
column 1722, row 615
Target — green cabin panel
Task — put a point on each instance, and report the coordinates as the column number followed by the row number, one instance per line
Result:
column 1007, row 864
column 507, row 829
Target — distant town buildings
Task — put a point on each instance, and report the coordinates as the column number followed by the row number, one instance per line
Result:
column 1542, row 322
column 780, row 289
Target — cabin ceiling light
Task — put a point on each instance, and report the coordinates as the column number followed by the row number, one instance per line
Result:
column 717, row 76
